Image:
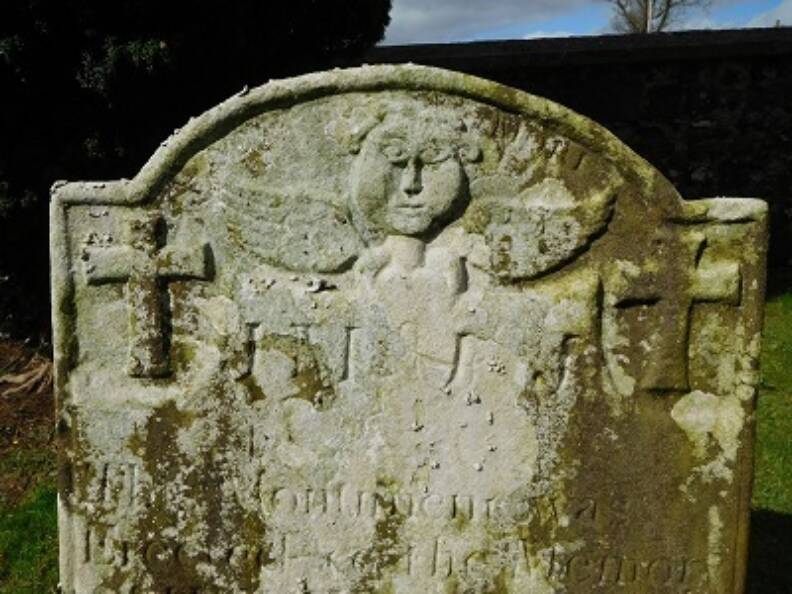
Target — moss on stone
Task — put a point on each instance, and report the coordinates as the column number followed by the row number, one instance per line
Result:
column 310, row 377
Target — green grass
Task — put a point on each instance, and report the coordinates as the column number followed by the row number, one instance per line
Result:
column 29, row 544
column 773, row 471
column 27, row 468
column 769, row 570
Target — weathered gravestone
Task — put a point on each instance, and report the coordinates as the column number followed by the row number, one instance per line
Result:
column 396, row 329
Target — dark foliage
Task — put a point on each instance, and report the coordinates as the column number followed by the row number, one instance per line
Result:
column 89, row 88
column 769, row 571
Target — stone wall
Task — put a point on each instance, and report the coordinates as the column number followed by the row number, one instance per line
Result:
column 711, row 109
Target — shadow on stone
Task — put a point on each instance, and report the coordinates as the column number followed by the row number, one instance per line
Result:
column 769, row 567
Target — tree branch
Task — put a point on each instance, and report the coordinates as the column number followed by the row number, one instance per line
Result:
column 630, row 16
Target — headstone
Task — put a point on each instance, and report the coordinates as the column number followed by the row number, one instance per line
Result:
column 401, row 330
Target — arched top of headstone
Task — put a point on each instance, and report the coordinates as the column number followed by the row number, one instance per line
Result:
column 219, row 121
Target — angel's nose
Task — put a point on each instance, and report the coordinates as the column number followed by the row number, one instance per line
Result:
column 411, row 178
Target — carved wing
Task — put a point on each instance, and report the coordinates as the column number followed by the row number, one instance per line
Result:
column 292, row 231
column 537, row 222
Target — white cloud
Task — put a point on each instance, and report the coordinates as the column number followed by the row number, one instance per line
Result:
column 782, row 13
column 699, row 22
column 546, row 34
column 421, row 21
column 704, row 16
column 707, row 18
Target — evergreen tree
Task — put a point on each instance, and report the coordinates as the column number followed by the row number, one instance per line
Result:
column 89, row 88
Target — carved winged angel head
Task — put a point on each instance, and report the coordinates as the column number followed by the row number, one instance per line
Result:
column 399, row 166
column 409, row 176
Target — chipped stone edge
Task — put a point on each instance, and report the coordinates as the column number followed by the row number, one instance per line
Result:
column 736, row 210
column 725, row 210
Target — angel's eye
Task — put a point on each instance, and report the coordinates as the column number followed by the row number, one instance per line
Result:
column 394, row 151
column 435, row 152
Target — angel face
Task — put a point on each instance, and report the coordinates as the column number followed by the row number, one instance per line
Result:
column 408, row 176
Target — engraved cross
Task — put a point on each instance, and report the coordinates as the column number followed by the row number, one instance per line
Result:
column 668, row 298
column 146, row 264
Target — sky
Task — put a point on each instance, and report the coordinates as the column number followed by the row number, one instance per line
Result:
column 443, row 21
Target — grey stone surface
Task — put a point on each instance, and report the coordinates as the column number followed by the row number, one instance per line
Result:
column 397, row 329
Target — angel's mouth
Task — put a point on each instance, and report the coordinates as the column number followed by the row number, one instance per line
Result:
column 411, row 208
